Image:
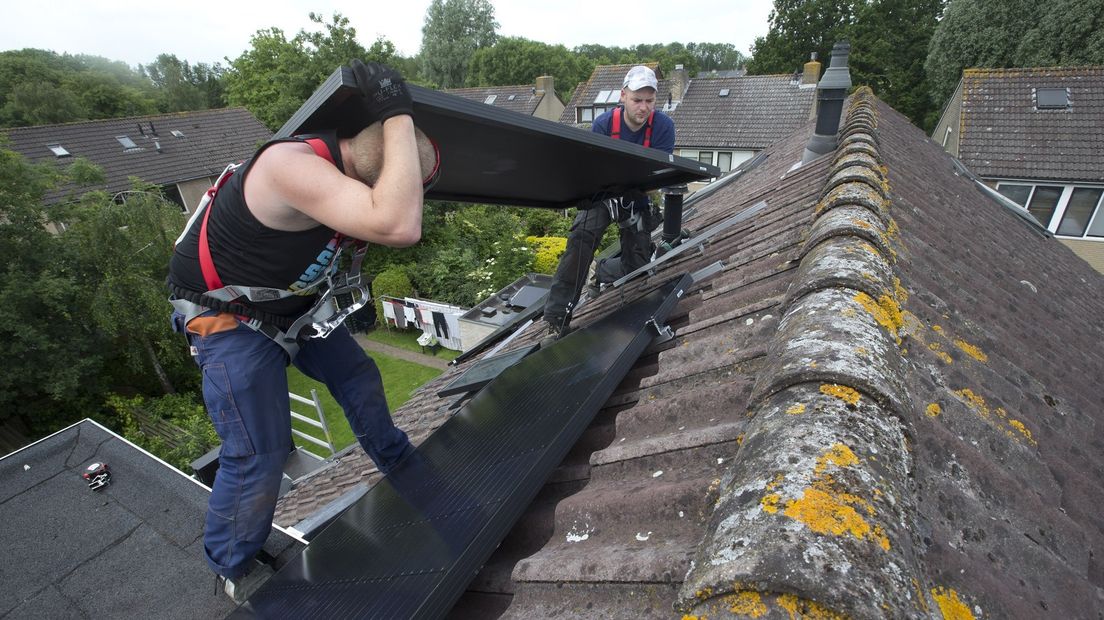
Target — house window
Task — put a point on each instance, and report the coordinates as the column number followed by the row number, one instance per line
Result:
column 1065, row 210
column 1079, row 212
column 1044, row 200
column 126, row 142
column 58, row 150
column 586, row 115
column 724, row 92
column 1051, row 99
column 705, row 157
column 490, row 99
column 724, row 161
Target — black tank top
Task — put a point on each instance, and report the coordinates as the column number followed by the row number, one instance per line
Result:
column 248, row 253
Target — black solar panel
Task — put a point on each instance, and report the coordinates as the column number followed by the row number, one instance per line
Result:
column 411, row 545
column 497, row 156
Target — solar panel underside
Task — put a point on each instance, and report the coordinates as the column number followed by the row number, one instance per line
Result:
column 496, row 156
column 411, row 545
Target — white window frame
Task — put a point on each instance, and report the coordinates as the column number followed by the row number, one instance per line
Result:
column 1063, row 202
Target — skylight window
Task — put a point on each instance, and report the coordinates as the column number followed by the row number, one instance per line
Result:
column 126, row 142
column 723, row 93
column 58, row 150
column 613, row 97
column 490, row 99
column 511, row 98
column 1051, row 99
column 178, row 133
column 602, row 96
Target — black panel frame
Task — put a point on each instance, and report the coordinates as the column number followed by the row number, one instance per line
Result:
column 392, row 554
column 496, row 156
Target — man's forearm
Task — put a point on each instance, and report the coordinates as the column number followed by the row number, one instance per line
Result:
column 398, row 193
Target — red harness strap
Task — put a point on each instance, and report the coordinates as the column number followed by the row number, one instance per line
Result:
column 615, row 132
column 206, row 262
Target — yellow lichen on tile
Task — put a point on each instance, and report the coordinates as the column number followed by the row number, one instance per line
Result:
column 1023, row 430
column 861, row 223
column 899, row 292
column 937, row 329
column 796, row 409
column 862, row 351
column 950, row 606
column 974, row 401
column 940, row 353
column 770, row 502
column 689, row 617
column 848, row 395
column 806, row 610
column 971, row 350
column 704, row 593
column 933, row 410
column 885, row 311
column 746, row 602
column 740, row 439
column 848, row 313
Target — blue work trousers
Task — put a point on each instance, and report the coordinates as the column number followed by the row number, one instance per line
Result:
column 245, row 389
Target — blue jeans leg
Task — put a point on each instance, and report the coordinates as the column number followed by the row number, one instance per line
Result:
column 245, row 390
column 354, row 380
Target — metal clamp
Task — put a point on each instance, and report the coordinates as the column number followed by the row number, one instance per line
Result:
column 664, row 333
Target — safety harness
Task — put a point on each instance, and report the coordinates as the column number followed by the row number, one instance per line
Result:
column 324, row 317
column 615, row 128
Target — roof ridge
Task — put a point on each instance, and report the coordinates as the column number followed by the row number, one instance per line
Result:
column 986, row 71
column 129, row 119
column 825, row 455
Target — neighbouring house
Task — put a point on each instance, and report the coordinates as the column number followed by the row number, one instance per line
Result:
column 183, row 153
column 539, row 100
column 854, row 414
column 725, row 121
column 721, row 121
column 130, row 549
column 1036, row 135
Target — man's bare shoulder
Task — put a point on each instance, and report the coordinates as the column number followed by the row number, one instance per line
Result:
column 282, row 175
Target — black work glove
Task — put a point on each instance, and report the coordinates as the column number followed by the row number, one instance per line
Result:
column 384, row 91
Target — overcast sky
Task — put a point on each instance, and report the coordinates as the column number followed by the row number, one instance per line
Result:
column 136, row 31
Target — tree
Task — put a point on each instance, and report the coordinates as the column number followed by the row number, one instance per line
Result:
column 182, row 87
column 797, row 28
column 1012, row 33
column 453, row 31
column 515, row 60
column 716, row 56
column 276, row 75
column 889, row 41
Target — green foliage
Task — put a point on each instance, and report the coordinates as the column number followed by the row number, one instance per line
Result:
column 544, row 222
column 548, row 251
column 453, row 31
column 39, row 86
column 1013, row 33
column 797, row 28
column 194, row 435
column 276, row 75
column 515, row 60
column 392, row 282
column 182, row 86
column 668, row 55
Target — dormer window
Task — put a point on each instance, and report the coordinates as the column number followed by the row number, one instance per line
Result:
column 58, row 150
column 1052, row 99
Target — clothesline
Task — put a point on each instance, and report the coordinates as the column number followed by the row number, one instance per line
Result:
column 440, row 320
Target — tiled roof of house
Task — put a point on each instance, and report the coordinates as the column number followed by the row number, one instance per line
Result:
column 756, row 112
column 606, row 77
column 523, row 99
column 133, row 549
column 886, row 404
column 210, row 140
column 1004, row 135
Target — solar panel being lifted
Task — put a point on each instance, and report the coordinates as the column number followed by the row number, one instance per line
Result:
column 496, row 156
column 411, row 545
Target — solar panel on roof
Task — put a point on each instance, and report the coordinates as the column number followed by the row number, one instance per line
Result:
column 411, row 545
column 527, row 296
column 484, row 371
column 497, row 156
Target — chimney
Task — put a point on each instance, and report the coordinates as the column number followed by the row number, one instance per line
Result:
column 831, row 91
column 812, row 72
column 153, row 131
column 140, row 129
column 546, row 84
column 678, row 82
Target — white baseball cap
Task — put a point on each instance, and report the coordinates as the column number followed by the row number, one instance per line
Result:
column 639, row 77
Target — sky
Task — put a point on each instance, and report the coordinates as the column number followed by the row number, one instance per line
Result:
column 208, row 31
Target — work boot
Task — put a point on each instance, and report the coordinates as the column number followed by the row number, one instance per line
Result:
column 551, row 335
column 241, row 588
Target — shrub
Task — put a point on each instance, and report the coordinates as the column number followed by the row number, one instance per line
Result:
column 392, row 282
column 548, row 251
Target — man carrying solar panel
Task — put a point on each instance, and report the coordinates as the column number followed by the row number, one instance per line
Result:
column 255, row 279
column 635, row 120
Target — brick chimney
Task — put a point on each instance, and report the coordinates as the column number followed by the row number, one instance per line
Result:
column 678, row 81
column 831, row 91
column 550, row 107
column 812, row 72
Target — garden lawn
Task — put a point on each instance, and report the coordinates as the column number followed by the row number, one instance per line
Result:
column 400, row 379
column 407, row 339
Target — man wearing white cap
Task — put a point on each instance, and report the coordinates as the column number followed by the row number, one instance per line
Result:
column 635, row 120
